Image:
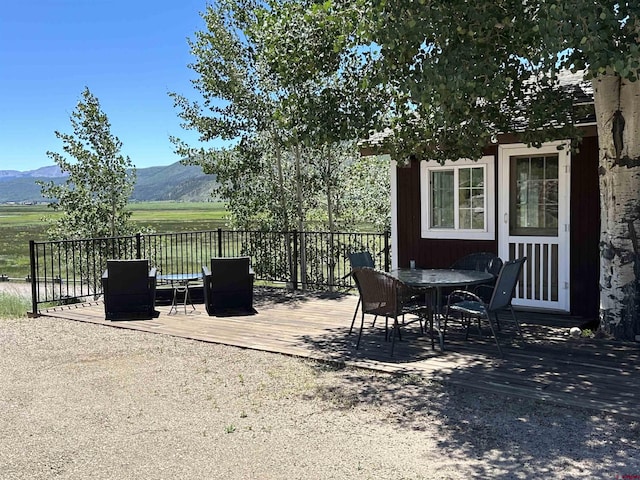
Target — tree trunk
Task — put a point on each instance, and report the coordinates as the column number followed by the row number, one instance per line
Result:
column 332, row 256
column 617, row 103
column 301, row 230
column 283, row 205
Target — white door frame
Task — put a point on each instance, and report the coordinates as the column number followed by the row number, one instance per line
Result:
column 534, row 289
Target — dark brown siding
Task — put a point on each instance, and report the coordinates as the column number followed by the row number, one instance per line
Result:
column 428, row 252
column 585, row 230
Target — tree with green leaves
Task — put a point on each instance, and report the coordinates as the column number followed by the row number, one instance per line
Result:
column 288, row 141
column 93, row 199
column 460, row 73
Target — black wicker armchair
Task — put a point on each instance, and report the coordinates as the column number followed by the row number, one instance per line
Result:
column 228, row 286
column 129, row 288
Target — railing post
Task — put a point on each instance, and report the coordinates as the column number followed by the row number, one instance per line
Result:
column 219, row 242
column 387, row 262
column 138, row 246
column 34, row 285
column 294, row 273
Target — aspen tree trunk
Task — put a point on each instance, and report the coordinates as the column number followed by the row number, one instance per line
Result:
column 283, row 205
column 617, row 103
column 303, row 242
column 331, row 250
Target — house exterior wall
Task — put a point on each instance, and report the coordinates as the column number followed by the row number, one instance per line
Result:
column 584, row 224
column 585, row 230
column 428, row 252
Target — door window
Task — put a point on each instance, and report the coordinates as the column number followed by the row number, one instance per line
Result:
column 533, row 209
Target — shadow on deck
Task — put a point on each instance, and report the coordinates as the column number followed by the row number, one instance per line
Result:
column 551, row 367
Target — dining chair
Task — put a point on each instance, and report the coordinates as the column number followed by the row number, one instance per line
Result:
column 479, row 261
column 384, row 295
column 357, row 260
column 468, row 305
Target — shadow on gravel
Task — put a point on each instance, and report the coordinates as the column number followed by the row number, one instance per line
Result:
column 495, row 436
column 517, row 433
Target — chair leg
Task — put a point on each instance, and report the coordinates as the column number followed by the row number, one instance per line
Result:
column 386, row 329
column 354, row 315
column 515, row 320
column 433, row 345
column 443, row 330
column 440, row 330
column 493, row 332
column 360, row 333
column 396, row 328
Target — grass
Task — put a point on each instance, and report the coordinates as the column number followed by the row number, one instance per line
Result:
column 13, row 306
column 21, row 223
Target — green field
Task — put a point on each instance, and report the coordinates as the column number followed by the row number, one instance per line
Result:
column 21, row 223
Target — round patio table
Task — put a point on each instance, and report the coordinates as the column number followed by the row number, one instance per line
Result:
column 434, row 279
column 440, row 277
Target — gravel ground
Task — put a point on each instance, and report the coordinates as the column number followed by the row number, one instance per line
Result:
column 84, row 401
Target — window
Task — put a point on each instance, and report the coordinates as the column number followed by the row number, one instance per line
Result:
column 458, row 199
column 533, row 209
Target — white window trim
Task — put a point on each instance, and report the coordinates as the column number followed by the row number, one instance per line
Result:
column 489, row 233
column 393, row 176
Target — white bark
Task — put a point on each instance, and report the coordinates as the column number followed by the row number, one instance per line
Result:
column 617, row 105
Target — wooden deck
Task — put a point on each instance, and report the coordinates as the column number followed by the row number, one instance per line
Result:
column 598, row 374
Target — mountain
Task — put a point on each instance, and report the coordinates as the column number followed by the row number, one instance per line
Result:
column 52, row 171
column 172, row 182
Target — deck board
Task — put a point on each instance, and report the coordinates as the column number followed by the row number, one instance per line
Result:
column 602, row 375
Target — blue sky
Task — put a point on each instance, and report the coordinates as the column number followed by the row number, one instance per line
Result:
column 129, row 53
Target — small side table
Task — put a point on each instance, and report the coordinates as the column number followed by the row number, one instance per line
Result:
column 181, row 289
column 181, row 294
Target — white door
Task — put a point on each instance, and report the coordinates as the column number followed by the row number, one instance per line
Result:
column 533, row 208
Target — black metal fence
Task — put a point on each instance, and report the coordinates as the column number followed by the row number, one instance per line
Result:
column 70, row 271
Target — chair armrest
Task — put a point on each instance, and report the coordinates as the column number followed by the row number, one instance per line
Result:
column 464, row 295
column 152, row 280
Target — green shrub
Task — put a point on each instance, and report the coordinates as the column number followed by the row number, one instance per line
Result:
column 13, row 305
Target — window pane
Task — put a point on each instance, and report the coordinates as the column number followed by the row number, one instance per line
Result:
column 477, row 219
column 471, row 198
column 477, row 177
column 551, row 192
column 442, row 208
column 551, row 217
column 464, row 198
column 464, row 177
column 534, row 207
column 464, row 219
column 551, row 168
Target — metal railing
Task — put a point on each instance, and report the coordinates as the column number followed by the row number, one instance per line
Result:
column 70, row 271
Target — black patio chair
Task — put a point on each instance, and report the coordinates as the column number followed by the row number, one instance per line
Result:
column 228, row 286
column 357, row 260
column 384, row 295
column 480, row 262
column 129, row 289
column 467, row 305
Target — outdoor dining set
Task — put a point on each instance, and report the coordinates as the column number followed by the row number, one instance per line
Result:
column 473, row 291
